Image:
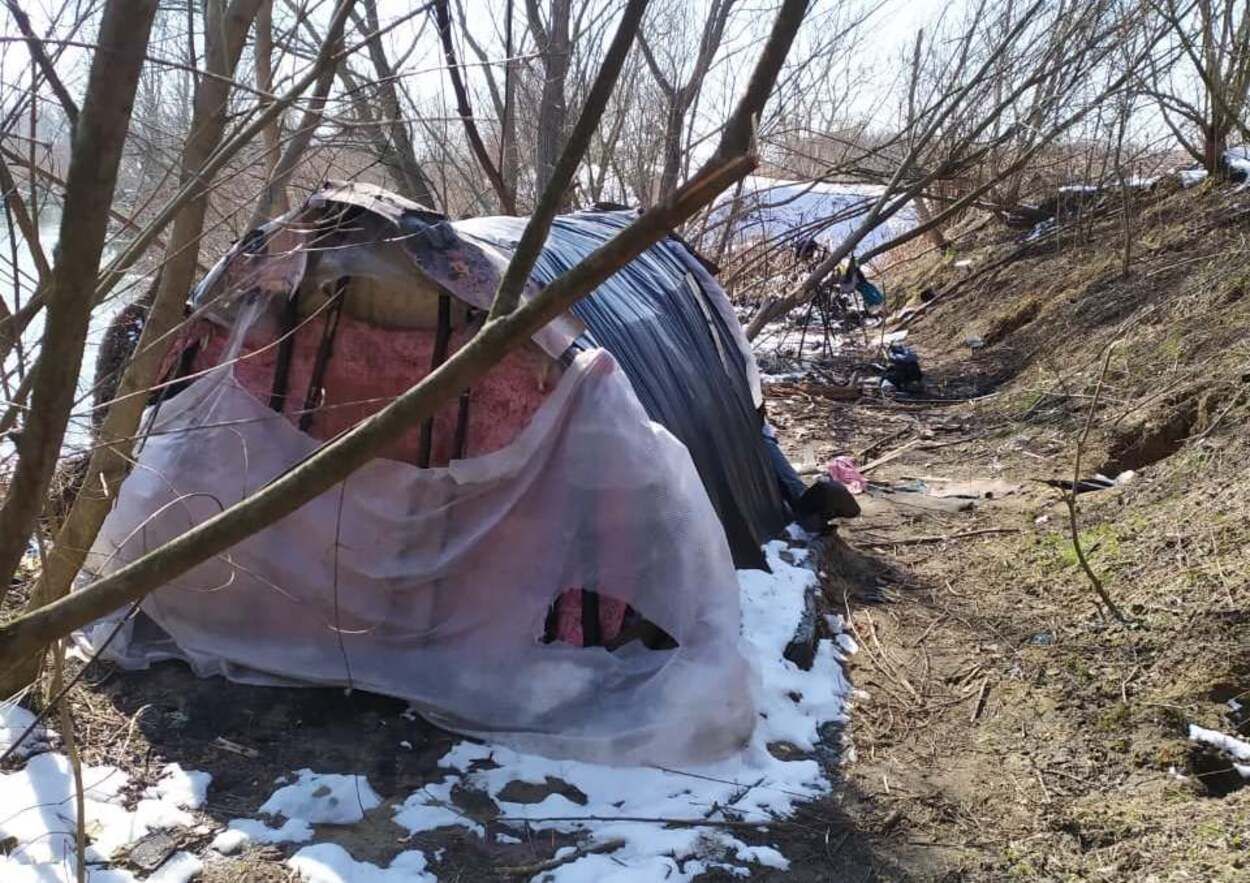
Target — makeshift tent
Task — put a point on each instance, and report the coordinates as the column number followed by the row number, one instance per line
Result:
column 548, row 561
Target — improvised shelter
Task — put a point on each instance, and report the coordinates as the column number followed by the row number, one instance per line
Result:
column 549, row 561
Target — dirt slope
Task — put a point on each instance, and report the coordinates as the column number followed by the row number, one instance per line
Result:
column 1009, row 729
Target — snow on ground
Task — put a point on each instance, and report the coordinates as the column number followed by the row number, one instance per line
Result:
column 625, row 811
column 1191, row 177
column 1238, row 750
column 37, row 813
column 14, row 721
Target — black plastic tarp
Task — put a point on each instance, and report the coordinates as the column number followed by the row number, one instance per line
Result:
column 656, row 318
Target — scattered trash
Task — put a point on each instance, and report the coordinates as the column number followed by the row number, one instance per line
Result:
column 235, row 748
column 903, row 369
column 843, row 470
column 1098, row 482
column 827, row 498
column 974, row 342
column 1042, row 639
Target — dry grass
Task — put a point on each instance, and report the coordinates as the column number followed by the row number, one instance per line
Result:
column 1010, row 732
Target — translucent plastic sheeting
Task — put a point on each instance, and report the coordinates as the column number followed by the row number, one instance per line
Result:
column 433, row 584
column 674, row 333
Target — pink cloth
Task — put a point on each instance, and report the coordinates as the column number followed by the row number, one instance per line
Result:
column 843, row 469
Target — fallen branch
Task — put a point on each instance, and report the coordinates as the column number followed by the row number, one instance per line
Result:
column 552, row 863
column 652, row 820
column 892, row 455
column 945, row 538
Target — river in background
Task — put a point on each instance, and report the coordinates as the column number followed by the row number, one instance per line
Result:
column 78, row 433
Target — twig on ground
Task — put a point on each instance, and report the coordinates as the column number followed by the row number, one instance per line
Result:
column 553, row 863
column 981, row 695
column 892, row 455
column 75, row 762
column 914, row 541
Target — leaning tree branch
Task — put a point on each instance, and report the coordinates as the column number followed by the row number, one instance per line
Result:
column 46, row 67
column 465, row 110
column 531, row 244
column 227, row 33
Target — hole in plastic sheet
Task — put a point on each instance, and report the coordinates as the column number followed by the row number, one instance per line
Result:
column 584, row 618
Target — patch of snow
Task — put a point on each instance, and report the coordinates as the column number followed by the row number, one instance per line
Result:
column 15, row 720
column 331, row 863
column 254, row 830
column 230, row 841
column 187, row 790
column 1040, row 229
column 180, row 867
column 1234, row 747
column 38, row 811
column 323, row 798
column 507, row 838
column 432, row 808
column 1191, row 177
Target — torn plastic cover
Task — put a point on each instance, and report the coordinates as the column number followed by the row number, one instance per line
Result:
column 434, row 584
column 412, row 256
column 672, row 330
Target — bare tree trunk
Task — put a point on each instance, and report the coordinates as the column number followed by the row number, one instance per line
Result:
column 272, row 134
column 553, row 43
column 400, row 156
column 225, row 34
column 509, row 155
column 97, row 148
column 681, row 96
column 333, row 462
column 925, row 217
column 465, row 109
column 273, row 199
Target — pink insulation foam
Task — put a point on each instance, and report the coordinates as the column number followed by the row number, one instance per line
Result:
column 370, row 366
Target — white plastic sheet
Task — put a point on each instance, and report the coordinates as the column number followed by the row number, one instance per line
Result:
column 433, row 584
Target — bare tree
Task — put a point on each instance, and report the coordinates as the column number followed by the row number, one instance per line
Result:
column 1211, row 102
column 96, row 156
column 554, row 46
column 967, row 116
column 680, row 91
